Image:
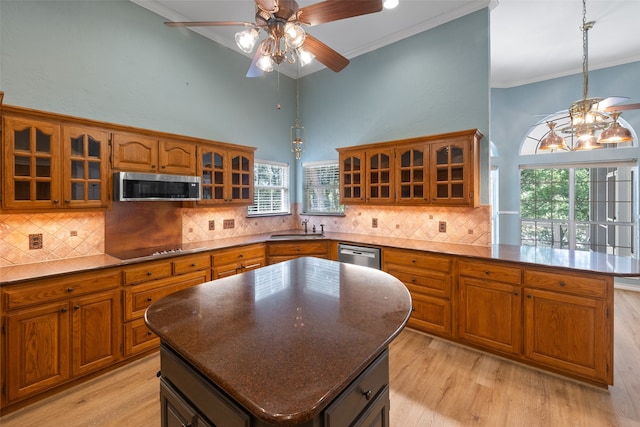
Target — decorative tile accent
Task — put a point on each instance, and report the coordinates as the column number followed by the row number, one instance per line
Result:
column 56, row 236
column 464, row 225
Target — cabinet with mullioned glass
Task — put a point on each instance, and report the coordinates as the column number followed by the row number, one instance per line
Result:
column 227, row 175
column 51, row 165
column 367, row 176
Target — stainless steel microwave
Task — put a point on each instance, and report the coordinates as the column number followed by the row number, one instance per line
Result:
column 134, row 186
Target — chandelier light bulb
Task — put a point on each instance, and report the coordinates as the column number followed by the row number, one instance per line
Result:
column 294, row 35
column 390, row 4
column 247, row 39
column 304, row 56
column 265, row 63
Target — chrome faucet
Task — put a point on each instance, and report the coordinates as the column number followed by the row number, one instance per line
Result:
column 305, row 222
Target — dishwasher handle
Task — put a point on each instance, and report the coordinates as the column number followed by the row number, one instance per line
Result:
column 359, row 253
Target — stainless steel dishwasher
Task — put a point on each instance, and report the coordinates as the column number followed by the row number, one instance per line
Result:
column 359, row 255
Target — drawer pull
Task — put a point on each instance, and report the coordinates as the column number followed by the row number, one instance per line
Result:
column 193, row 264
column 149, row 273
column 149, row 333
column 76, row 307
column 69, row 289
column 563, row 284
column 149, row 299
column 515, row 293
column 367, row 394
column 487, row 272
column 413, row 280
column 241, row 256
column 414, row 261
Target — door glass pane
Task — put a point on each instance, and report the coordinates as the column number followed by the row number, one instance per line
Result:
column 418, row 191
column 43, row 191
column 94, row 170
column 43, row 167
column 374, row 162
column 356, row 178
column 206, row 160
column 374, row 178
column 94, row 148
column 94, row 191
column 218, row 160
column 235, row 193
column 77, row 191
column 347, row 179
column 77, row 169
column 22, row 190
column 235, row 178
column 442, row 190
column 385, row 191
column 357, row 193
column 356, row 164
column 235, row 163
column 405, row 159
column 22, row 166
column 374, row 192
column 384, row 176
column 418, row 176
column 405, row 191
column 206, row 193
column 456, row 154
column 245, row 179
column 418, row 158
column 457, row 173
column 218, row 177
column 442, row 174
column 21, row 139
column 346, row 165
column 206, row 177
column 457, row 190
column 442, row 156
column 405, row 176
column 77, row 146
column 384, row 161
column 218, row 193
column 245, row 194
column 245, row 164
column 347, row 193
column 43, row 142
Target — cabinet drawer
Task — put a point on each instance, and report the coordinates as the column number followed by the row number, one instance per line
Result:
column 138, row 338
column 416, row 259
column 231, row 256
column 424, row 282
column 191, row 263
column 137, row 298
column 490, row 271
column 299, row 248
column 53, row 289
column 361, row 393
column 594, row 286
column 145, row 272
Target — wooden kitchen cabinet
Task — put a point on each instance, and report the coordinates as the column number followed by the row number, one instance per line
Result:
column 49, row 164
column 568, row 323
column 227, row 175
column 490, row 305
column 284, row 251
column 58, row 330
column 140, row 153
column 439, row 170
column 428, row 278
column 228, row 262
column 148, row 282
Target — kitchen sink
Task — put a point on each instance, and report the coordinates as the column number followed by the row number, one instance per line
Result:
column 297, row 236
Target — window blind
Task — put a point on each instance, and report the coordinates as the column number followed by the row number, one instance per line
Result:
column 322, row 188
column 270, row 189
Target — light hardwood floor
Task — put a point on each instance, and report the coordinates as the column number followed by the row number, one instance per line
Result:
column 433, row 383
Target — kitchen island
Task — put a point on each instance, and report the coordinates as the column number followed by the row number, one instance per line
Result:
column 303, row 343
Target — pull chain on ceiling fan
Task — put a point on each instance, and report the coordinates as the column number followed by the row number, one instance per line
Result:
column 286, row 40
column 592, row 121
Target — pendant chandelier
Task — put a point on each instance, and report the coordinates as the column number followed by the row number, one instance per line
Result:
column 592, row 121
column 296, row 133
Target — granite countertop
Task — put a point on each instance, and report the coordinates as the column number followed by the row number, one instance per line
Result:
column 536, row 256
column 286, row 339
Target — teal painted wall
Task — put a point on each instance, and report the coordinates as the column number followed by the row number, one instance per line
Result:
column 117, row 62
column 515, row 110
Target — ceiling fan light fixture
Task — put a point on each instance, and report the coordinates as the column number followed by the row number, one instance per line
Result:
column 615, row 133
column 265, row 63
column 304, row 56
column 586, row 143
column 247, row 39
column 294, row 35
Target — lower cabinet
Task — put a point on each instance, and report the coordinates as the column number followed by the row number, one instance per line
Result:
column 428, row 278
column 188, row 398
column 58, row 330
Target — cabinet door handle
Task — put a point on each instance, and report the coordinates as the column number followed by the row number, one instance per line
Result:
column 76, row 307
column 528, row 296
column 64, row 309
column 515, row 293
column 367, row 394
column 153, row 166
column 69, row 289
column 55, row 202
column 164, row 166
column 562, row 283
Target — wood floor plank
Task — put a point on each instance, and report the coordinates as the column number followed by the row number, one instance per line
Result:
column 433, row 383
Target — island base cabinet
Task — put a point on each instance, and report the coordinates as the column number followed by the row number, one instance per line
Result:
column 568, row 333
column 175, row 412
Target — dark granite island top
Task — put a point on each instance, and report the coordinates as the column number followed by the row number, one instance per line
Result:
column 283, row 341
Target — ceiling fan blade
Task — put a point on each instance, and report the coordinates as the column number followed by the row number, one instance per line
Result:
column 623, row 107
column 254, row 71
column 610, row 101
column 334, row 10
column 268, row 5
column 325, row 54
column 210, row 24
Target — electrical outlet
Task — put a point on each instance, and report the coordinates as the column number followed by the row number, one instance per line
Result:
column 73, row 233
column 374, row 222
column 228, row 223
column 442, row 226
column 35, row 241
column 212, row 225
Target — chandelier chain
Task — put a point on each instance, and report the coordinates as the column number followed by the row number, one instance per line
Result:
column 585, row 50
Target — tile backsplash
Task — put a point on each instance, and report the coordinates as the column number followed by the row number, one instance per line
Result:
column 70, row 235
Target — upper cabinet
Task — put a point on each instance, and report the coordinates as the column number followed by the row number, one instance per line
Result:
column 438, row 170
column 53, row 165
column 140, row 153
column 226, row 173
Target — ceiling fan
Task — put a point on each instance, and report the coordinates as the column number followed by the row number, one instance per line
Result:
column 286, row 40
